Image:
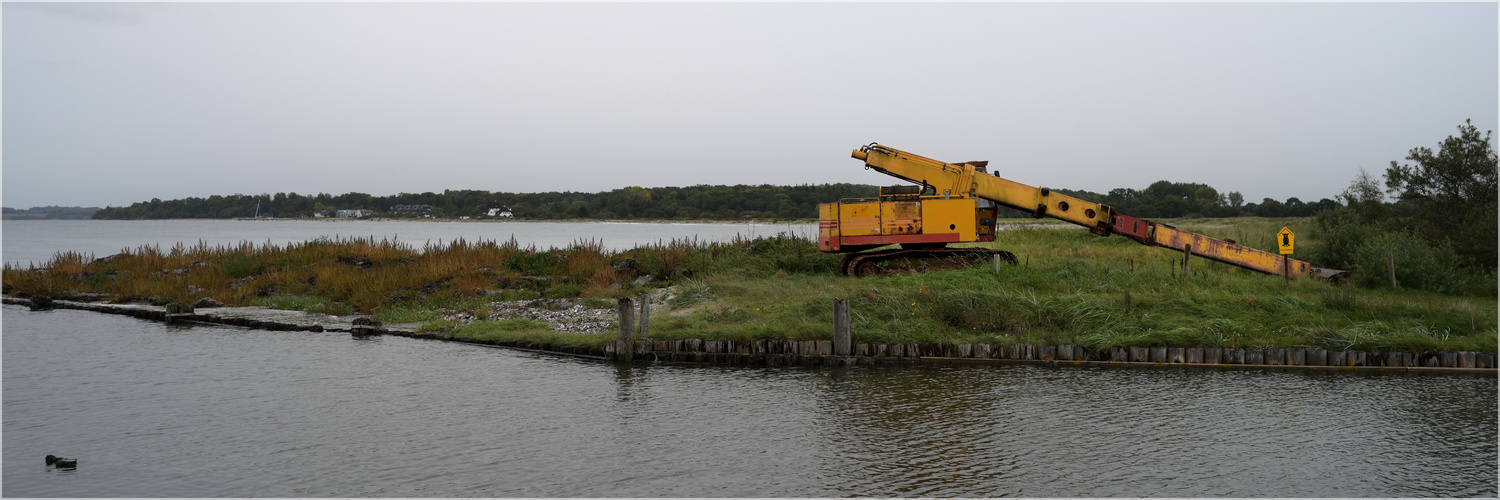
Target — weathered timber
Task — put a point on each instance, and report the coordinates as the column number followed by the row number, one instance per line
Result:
column 1275, row 356
column 626, row 312
column 1295, row 356
column 1255, row 356
column 1316, row 356
column 645, row 313
column 841, row 325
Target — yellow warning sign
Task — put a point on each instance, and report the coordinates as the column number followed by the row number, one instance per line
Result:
column 1284, row 239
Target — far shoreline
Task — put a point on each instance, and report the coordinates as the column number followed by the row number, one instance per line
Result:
column 1013, row 222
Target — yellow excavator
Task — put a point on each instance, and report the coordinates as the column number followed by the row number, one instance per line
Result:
column 955, row 203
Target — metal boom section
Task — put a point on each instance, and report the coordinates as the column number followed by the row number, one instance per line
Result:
column 964, row 181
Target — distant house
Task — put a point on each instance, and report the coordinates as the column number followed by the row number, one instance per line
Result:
column 412, row 209
column 322, row 213
column 499, row 212
column 354, row 214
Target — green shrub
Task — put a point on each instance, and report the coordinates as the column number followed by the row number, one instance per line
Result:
column 1419, row 264
column 690, row 292
column 536, row 263
column 321, row 305
column 563, row 291
column 240, row 266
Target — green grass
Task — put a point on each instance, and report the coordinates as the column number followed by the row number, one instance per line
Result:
column 1075, row 301
column 529, row 330
column 305, row 303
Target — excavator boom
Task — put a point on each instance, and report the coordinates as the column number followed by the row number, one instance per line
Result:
column 965, row 180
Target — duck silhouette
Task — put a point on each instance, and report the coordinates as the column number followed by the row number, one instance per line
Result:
column 61, row 462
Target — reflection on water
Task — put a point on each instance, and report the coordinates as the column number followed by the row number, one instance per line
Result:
column 152, row 410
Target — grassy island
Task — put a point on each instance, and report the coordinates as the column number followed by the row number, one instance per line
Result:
column 1071, row 288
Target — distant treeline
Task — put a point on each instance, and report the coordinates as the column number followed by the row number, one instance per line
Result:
column 1163, row 199
column 49, row 212
column 1166, row 199
column 693, row 202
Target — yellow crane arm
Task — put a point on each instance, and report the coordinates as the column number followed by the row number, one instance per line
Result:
column 965, row 181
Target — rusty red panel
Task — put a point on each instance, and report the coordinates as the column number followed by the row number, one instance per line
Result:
column 1130, row 227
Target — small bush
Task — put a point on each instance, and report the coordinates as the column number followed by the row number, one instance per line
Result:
column 240, row 266
column 1419, row 264
column 597, row 303
column 564, row 291
column 321, row 305
column 691, row 292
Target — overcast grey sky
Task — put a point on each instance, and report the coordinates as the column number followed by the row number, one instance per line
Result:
column 109, row 104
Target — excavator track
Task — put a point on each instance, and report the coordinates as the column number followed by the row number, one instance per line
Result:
column 910, row 260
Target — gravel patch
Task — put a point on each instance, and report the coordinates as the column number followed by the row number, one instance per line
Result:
column 563, row 315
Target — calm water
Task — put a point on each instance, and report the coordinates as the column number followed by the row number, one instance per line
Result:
column 35, row 241
column 153, row 410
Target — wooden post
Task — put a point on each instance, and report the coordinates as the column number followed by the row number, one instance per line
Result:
column 1286, row 267
column 997, row 263
column 1390, row 265
column 645, row 312
column 841, row 340
column 625, row 348
column 1187, row 254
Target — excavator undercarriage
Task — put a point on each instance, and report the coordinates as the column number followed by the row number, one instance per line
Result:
column 921, row 259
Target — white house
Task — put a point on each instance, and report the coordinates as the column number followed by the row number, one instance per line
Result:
column 350, row 214
column 499, row 212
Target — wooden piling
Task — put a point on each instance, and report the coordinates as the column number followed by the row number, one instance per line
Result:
column 1354, row 358
column 1315, row 356
column 841, row 333
column 1295, row 356
column 1255, row 356
column 1213, row 355
column 1276, row 356
column 645, row 312
column 1398, row 359
column 626, row 349
column 1176, row 355
column 1187, row 254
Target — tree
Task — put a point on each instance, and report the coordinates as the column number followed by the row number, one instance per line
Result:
column 1455, row 192
column 1365, row 198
